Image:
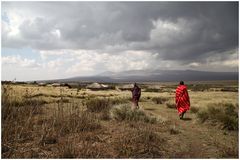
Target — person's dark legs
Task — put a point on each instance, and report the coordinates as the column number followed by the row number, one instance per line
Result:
column 182, row 114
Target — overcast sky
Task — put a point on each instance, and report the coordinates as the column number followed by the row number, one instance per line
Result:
column 48, row 40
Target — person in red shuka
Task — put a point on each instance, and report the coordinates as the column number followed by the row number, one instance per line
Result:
column 182, row 99
column 136, row 93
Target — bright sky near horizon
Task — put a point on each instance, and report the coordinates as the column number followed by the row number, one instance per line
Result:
column 50, row 40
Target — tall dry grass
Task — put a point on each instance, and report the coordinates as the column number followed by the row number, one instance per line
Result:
column 224, row 114
column 143, row 142
column 72, row 127
column 24, row 123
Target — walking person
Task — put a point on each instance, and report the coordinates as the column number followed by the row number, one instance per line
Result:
column 182, row 99
column 136, row 94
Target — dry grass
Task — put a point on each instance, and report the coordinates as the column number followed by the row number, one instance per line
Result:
column 58, row 122
column 140, row 143
column 174, row 130
column 67, row 149
column 220, row 113
column 229, row 152
column 123, row 112
column 159, row 100
column 24, row 123
column 84, row 121
column 103, row 104
column 171, row 105
column 194, row 109
column 152, row 90
column 97, row 105
column 105, row 115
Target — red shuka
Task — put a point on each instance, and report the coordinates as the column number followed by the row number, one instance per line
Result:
column 182, row 99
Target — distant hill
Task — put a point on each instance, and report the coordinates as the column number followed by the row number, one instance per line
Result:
column 155, row 76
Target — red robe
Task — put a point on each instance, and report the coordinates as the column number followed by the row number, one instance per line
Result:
column 182, row 99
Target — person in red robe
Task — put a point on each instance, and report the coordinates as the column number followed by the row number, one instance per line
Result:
column 136, row 93
column 182, row 99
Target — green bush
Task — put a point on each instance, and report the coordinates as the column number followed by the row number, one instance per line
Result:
column 222, row 113
column 124, row 112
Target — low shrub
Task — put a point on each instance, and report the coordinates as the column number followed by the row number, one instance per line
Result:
column 229, row 89
column 159, row 100
column 194, row 109
column 84, row 121
column 139, row 143
column 202, row 116
column 115, row 101
column 104, row 104
column 199, row 87
column 97, row 104
column 124, row 112
column 105, row 115
column 171, row 105
column 152, row 90
column 225, row 114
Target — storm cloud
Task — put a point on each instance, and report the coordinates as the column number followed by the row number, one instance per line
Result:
column 182, row 32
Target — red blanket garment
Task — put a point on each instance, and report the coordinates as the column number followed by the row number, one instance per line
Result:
column 182, row 99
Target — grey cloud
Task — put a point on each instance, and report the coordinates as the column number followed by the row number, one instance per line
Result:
column 209, row 28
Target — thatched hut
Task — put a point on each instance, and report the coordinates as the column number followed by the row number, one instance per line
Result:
column 97, row 86
column 56, row 84
column 42, row 84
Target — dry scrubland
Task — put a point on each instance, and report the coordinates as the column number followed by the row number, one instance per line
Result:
column 58, row 122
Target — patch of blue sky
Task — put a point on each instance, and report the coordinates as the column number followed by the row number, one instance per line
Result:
column 23, row 52
column 5, row 17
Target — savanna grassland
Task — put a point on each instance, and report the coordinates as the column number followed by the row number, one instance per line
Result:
column 63, row 122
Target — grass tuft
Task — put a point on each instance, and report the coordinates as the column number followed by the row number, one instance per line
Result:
column 224, row 114
column 139, row 143
column 194, row 109
column 159, row 100
column 97, row 104
column 171, row 105
column 67, row 150
column 174, row 130
column 124, row 113
column 84, row 121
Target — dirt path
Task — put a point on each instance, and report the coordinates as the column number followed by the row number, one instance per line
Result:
column 195, row 140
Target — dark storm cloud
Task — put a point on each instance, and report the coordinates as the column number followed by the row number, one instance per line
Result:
column 182, row 31
column 208, row 27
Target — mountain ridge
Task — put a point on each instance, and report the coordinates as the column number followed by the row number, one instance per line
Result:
column 153, row 76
